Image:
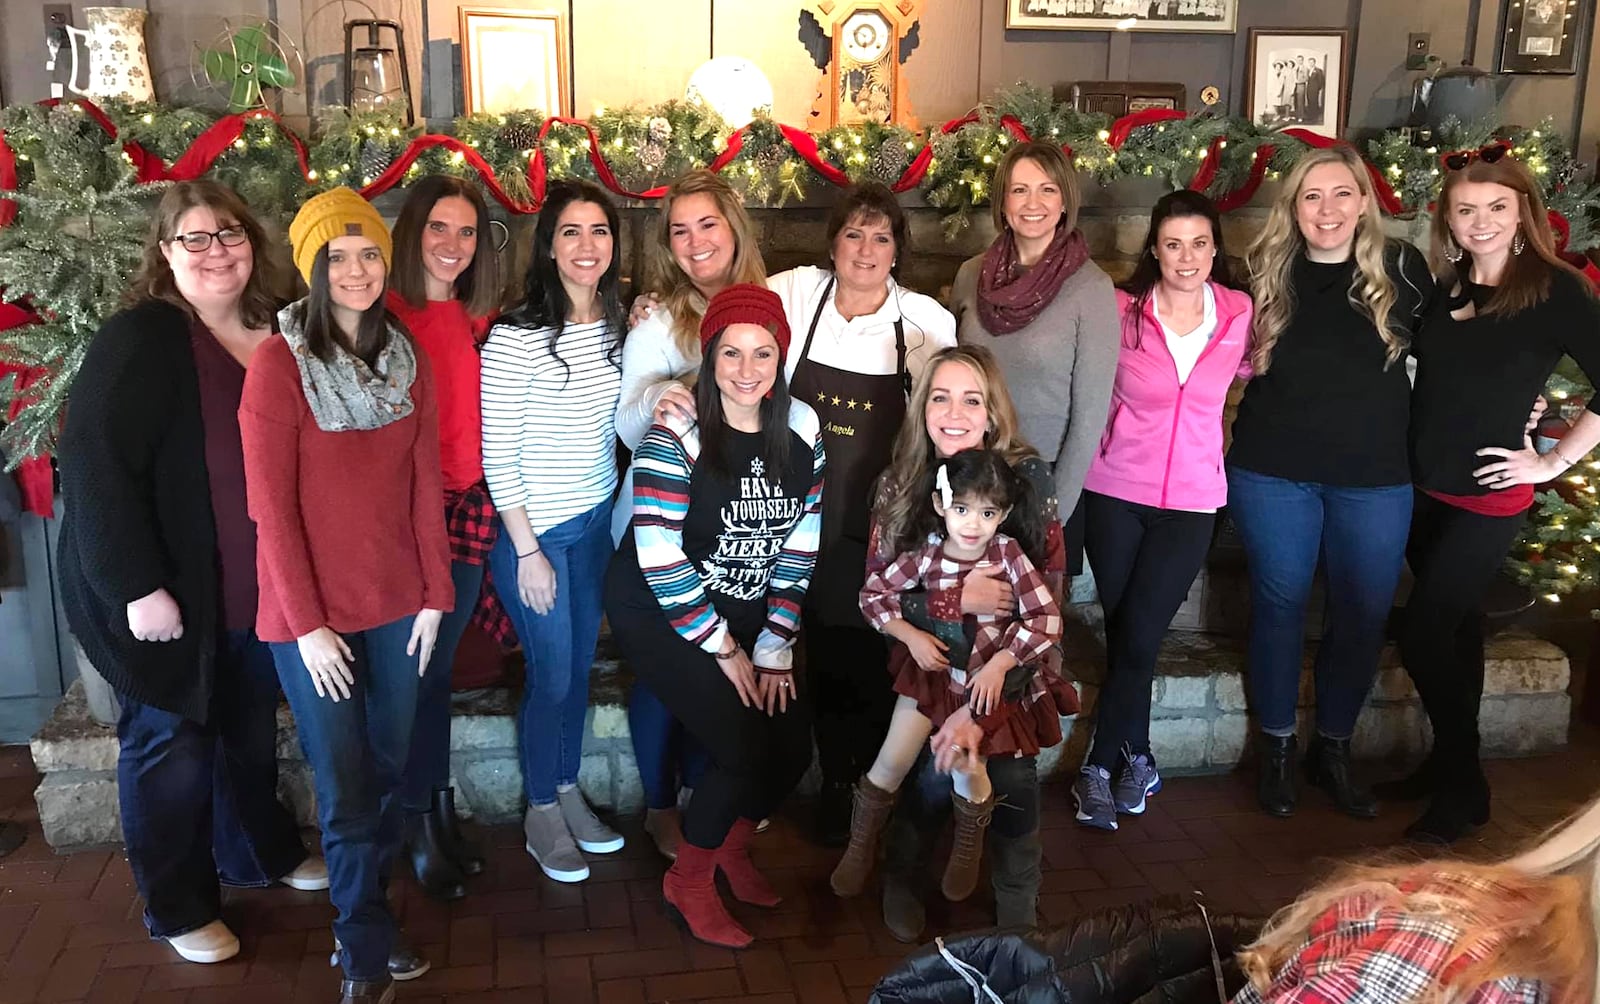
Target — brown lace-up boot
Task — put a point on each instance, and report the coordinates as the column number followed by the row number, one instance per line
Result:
column 868, row 816
column 966, row 851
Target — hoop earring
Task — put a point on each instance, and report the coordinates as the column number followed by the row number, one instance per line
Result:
column 1518, row 242
column 1452, row 251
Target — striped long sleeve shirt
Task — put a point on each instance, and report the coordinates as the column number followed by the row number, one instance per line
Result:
column 549, row 441
column 713, row 552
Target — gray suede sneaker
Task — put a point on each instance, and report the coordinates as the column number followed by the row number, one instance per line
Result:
column 550, row 843
column 1092, row 793
column 1137, row 779
column 585, row 827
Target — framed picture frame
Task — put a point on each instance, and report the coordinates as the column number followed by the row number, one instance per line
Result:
column 1541, row 36
column 513, row 59
column 1124, row 15
column 1299, row 77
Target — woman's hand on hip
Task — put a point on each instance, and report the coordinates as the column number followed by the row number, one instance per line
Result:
column 328, row 659
column 536, row 583
column 739, row 671
column 676, row 400
column 1517, row 467
column 776, row 687
column 424, row 632
column 986, row 590
column 155, row 617
column 957, row 737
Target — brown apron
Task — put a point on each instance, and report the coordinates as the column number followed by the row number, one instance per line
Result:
column 860, row 418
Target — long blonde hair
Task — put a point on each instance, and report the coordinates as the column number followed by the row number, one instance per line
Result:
column 903, row 511
column 1535, row 915
column 1271, row 260
column 683, row 302
column 1527, row 277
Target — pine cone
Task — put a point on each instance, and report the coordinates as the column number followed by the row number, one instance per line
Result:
column 375, row 159
column 652, row 155
column 888, row 162
column 519, row 136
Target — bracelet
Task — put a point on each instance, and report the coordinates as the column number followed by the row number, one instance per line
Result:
column 531, row 553
column 729, row 655
column 1562, row 456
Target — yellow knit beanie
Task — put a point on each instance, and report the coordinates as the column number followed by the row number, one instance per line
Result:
column 338, row 212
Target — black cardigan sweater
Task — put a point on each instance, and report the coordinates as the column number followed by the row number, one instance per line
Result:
column 137, row 507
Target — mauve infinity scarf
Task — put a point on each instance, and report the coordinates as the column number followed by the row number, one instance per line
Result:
column 1008, row 301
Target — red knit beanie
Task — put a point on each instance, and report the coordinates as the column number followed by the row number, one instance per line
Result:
column 745, row 303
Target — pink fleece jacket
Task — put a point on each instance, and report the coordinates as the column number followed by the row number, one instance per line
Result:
column 1162, row 445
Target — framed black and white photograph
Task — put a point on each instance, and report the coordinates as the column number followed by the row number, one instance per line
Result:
column 1299, row 77
column 1541, row 36
column 1125, row 15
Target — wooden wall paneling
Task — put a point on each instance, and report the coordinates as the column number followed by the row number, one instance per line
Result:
column 1046, row 58
column 322, row 43
column 1194, row 60
column 627, row 51
column 943, row 72
column 772, row 42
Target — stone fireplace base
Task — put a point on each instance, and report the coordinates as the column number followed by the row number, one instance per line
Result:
column 1200, row 724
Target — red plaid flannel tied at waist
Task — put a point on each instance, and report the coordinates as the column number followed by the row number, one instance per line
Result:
column 470, row 522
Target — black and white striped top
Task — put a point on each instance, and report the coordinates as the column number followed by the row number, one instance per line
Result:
column 548, row 430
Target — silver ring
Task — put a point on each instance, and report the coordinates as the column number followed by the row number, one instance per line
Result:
column 955, row 748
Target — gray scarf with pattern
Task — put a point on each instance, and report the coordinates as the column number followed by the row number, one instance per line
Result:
column 346, row 394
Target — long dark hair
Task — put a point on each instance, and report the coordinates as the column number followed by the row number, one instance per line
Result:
column 774, row 414
column 314, row 315
column 258, row 303
column 984, row 474
column 478, row 285
column 1146, row 275
column 545, row 303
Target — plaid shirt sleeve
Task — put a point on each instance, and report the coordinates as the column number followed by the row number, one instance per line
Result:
column 1037, row 624
column 880, row 594
column 1360, row 952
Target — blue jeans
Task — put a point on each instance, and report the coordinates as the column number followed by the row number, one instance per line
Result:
column 357, row 750
column 200, row 802
column 428, row 767
column 558, row 647
column 1359, row 534
column 667, row 755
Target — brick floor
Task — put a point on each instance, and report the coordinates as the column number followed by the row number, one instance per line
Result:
column 70, row 925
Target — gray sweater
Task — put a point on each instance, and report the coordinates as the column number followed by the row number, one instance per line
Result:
column 1059, row 368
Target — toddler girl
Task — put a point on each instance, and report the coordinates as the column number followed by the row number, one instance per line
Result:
column 969, row 664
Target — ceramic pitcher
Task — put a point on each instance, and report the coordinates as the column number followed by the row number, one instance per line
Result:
column 118, row 66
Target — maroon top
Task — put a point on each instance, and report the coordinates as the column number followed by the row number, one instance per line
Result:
column 221, row 387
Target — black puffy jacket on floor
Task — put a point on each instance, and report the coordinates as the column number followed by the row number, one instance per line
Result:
column 1157, row 952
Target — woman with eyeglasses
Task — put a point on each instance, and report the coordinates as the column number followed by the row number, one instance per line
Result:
column 1510, row 309
column 158, row 570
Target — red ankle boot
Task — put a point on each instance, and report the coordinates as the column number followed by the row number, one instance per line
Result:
column 690, row 889
column 746, row 883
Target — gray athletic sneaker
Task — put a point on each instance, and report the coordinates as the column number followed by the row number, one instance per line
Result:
column 585, row 827
column 548, row 840
column 1137, row 779
column 1092, row 792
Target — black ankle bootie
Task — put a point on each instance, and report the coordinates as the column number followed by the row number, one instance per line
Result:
column 462, row 851
column 1328, row 767
column 428, row 848
column 1275, row 788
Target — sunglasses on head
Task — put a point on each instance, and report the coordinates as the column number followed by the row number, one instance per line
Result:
column 1489, row 154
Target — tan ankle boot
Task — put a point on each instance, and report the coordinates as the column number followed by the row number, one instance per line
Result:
column 869, row 814
column 966, row 850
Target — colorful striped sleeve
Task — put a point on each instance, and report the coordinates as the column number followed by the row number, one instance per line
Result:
column 662, row 467
column 791, row 574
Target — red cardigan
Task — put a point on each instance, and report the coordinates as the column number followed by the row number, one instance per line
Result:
column 449, row 336
column 350, row 532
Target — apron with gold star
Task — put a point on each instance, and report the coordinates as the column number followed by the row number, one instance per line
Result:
column 860, row 416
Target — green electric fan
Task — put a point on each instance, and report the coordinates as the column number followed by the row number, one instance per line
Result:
column 244, row 61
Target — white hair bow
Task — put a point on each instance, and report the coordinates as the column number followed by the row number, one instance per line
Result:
column 941, row 481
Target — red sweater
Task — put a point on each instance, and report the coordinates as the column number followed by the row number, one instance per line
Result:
column 450, row 336
column 350, row 530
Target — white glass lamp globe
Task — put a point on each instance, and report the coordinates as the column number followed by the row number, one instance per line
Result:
column 733, row 87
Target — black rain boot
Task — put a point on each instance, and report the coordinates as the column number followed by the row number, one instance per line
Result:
column 1415, row 786
column 427, row 846
column 1328, row 767
column 1275, row 788
column 466, row 854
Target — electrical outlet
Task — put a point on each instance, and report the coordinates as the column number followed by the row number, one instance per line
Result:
column 57, row 15
column 1417, row 44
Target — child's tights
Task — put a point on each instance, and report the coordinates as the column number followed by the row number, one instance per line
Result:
column 909, row 729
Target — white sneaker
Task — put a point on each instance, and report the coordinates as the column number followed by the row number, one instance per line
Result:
column 309, row 876
column 211, row 943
